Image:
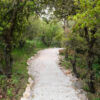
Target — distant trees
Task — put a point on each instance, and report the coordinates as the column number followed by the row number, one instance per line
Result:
column 49, row 32
column 52, row 33
column 33, row 28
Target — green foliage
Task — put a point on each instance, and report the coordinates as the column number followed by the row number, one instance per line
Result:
column 52, row 33
column 65, row 64
column 97, row 99
column 86, row 88
column 13, row 20
column 83, row 38
column 9, row 92
column 3, row 81
column 33, row 28
column 18, row 29
column 82, row 42
column 88, row 14
column 13, row 88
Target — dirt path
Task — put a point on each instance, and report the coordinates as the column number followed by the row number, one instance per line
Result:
column 50, row 83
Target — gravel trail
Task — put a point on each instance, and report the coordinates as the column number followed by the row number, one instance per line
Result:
column 48, row 82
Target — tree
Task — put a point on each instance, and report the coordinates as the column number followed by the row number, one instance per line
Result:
column 13, row 16
column 87, row 26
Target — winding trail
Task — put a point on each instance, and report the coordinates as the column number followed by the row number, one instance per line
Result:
column 50, row 83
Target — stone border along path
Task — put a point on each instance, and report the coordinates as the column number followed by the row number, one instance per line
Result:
column 48, row 81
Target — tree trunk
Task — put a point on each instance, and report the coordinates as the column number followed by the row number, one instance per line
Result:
column 21, row 43
column 8, row 35
column 8, row 60
column 66, row 55
column 73, row 62
column 91, row 76
column 90, row 57
column 91, row 83
column 43, row 40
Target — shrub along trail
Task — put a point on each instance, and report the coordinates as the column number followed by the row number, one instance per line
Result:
column 49, row 82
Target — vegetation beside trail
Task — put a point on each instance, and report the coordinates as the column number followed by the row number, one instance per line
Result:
column 22, row 33
column 13, row 88
column 82, row 40
column 82, row 78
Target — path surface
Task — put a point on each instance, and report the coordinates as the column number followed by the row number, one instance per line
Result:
column 50, row 83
